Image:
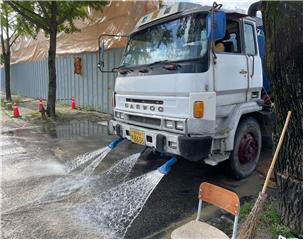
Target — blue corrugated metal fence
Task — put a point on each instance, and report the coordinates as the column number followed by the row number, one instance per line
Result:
column 92, row 89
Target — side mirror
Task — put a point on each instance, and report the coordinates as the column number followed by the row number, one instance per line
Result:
column 219, row 25
column 101, row 53
column 101, row 45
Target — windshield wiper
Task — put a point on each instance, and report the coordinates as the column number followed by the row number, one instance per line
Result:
column 168, row 65
column 122, row 69
column 159, row 62
column 171, row 66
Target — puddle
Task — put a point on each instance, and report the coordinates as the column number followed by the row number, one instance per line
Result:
column 12, row 151
column 8, row 130
column 72, row 129
column 27, row 166
column 4, row 143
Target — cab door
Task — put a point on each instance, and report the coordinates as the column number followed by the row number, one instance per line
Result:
column 253, row 59
column 231, row 69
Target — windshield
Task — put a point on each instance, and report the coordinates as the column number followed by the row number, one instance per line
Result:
column 180, row 39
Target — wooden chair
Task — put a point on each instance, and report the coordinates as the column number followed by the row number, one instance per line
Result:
column 219, row 197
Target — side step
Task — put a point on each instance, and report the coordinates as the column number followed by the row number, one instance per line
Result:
column 216, row 159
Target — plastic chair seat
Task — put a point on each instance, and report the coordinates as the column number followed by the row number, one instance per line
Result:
column 198, row 230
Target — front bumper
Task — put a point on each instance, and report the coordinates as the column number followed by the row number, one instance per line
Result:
column 191, row 148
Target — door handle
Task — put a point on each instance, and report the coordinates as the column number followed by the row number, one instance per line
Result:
column 243, row 72
column 253, row 65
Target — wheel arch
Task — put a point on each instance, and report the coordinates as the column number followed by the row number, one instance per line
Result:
column 241, row 113
column 264, row 119
column 247, row 147
column 254, row 115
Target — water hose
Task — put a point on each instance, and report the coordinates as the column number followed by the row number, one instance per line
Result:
column 165, row 168
column 115, row 142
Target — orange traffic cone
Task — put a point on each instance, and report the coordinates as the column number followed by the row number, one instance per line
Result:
column 16, row 110
column 73, row 103
column 40, row 107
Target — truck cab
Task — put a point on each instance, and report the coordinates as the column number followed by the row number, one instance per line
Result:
column 190, row 85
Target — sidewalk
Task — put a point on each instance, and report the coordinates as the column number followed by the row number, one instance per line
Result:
column 30, row 114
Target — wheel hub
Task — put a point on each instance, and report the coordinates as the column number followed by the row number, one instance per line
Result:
column 248, row 149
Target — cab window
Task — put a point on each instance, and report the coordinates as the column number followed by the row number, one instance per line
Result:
column 249, row 39
column 231, row 41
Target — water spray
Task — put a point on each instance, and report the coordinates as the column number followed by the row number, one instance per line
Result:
column 165, row 168
column 115, row 142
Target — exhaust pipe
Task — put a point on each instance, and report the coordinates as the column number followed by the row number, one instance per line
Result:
column 165, row 168
column 254, row 7
column 115, row 142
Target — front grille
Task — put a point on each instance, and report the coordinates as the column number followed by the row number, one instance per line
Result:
column 145, row 120
column 133, row 100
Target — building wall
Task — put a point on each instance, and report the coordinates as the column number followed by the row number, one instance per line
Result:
column 92, row 89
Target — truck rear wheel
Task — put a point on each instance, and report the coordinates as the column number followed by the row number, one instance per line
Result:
column 247, row 148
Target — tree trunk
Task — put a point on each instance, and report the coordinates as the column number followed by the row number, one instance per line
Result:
column 7, row 71
column 283, row 23
column 6, row 52
column 51, row 63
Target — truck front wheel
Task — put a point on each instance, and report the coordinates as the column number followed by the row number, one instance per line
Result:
column 247, row 148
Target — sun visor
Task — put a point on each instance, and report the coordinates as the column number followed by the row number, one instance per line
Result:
column 165, row 12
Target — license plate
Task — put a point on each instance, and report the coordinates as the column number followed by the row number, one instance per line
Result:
column 137, row 137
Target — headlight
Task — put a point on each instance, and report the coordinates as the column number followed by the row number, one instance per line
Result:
column 179, row 125
column 119, row 115
column 169, row 124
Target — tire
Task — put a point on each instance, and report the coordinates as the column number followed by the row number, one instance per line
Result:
column 247, row 149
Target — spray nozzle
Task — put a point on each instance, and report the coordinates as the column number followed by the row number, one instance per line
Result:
column 165, row 168
column 115, row 142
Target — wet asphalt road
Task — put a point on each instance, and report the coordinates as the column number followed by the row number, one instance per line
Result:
column 172, row 203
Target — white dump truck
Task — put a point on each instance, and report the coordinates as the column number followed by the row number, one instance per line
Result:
column 190, row 85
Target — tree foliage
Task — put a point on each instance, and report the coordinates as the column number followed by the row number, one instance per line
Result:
column 12, row 27
column 39, row 13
